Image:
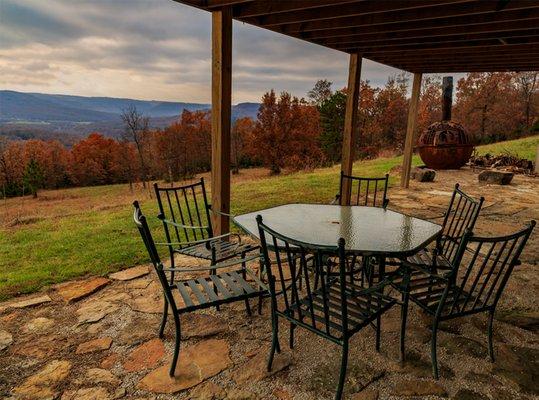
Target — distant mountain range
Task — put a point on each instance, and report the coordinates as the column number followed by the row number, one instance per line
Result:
column 57, row 114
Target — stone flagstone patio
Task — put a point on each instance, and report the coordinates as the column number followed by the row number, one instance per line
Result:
column 96, row 338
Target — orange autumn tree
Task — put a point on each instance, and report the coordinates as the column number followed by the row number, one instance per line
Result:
column 242, row 130
column 487, row 105
column 286, row 133
column 98, row 160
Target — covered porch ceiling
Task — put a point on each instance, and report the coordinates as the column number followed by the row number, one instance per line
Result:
column 420, row 36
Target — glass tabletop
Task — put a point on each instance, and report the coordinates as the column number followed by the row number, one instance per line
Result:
column 366, row 230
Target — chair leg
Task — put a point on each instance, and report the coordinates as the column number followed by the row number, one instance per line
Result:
column 490, row 345
column 292, row 328
column 274, row 340
column 378, row 333
column 213, row 272
column 244, row 276
column 260, row 276
column 404, row 316
column 342, row 375
column 433, row 349
column 176, row 345
column 163, row 320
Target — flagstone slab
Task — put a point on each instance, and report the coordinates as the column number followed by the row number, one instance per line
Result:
column 43, row 346
column 208, row 391
column 93, row 393
column 5, row 339
column 130, row 273
column 73, row 291
column 43, row 385
column 109, row 361
column 255, row 369
column 197, row 363
column 25, row 302
column 145, row 356
column 99, row 375
column 95, row 311
column 202, row 325
column 94, row 345
column 38, row 325
column 139, row 330
column 416, row 387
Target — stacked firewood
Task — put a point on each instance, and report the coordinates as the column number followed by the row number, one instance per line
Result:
column 505, row 161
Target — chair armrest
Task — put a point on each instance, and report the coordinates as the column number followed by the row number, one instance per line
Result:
column 193, row 242
column 220, row 212
column 421, row 268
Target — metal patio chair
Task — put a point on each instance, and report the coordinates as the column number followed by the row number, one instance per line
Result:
column 365, row 191
column 334, row 309
column 473, row 284
column 370, row 192
column 461, row 214
column 229, row 285
column 186, row 216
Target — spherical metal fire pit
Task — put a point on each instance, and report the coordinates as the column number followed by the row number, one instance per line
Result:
column 445, row 145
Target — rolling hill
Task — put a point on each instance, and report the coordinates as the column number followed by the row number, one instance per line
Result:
column 39, row 114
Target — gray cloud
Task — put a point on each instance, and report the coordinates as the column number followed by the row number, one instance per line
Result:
column 152, row 49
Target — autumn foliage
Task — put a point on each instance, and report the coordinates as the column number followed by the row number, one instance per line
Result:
column 289, row 133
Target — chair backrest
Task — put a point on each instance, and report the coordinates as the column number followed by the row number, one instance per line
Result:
column 185, row 205
column 461, row 215
column 365, row 191
column 286, row 262
column 481, row 270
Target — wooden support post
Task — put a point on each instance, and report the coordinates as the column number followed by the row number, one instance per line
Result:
column 220, row 117
column 350, row 124
column 410, row 132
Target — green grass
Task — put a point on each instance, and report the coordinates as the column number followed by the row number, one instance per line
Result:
column 524, row 148
column 89, row 231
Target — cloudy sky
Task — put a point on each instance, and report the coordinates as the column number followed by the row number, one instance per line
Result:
column 151, row 49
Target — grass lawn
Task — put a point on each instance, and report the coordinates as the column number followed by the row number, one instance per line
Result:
column 524, row 148
column 81, row 231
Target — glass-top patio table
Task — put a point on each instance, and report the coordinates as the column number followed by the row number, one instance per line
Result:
column 366, row 230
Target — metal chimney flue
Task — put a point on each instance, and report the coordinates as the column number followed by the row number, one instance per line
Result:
column 447, row 101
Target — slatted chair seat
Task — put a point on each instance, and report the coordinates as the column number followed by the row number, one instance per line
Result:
column 428, row 296
column 363, row 307
column 224, row 249
column 215, row 290
column 423, row 257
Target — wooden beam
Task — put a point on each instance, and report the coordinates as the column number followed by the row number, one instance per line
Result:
column 264, row 7
column 325, row 11
column 350, row 124
column 419, row 16
column 410, row 131
column 221, row 113
column 375, row 34
column 529, row 29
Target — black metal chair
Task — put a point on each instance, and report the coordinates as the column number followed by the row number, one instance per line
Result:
column 365, row 191
column 228, row 286
column 332, row 308
column 477, row 276
column 461, row 214
column 185, row 213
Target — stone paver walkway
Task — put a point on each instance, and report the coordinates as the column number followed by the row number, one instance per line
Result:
column 97, row 338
